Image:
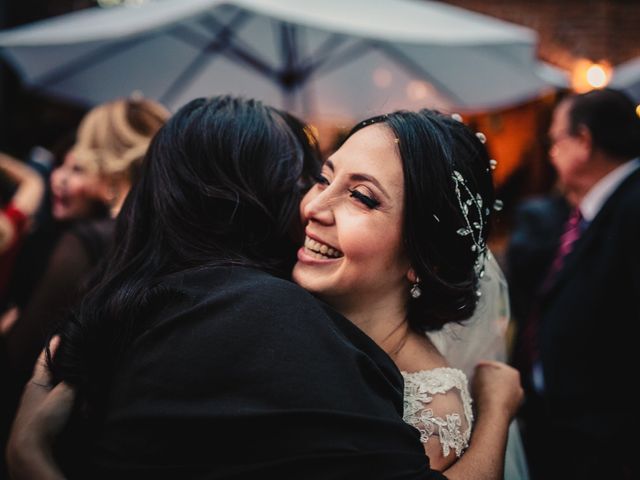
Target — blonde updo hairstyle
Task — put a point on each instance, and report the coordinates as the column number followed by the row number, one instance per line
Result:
column 113, row 137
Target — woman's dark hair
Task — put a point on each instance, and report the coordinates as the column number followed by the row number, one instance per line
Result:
column 433, row 147
column 220, row 185
column 611, row 117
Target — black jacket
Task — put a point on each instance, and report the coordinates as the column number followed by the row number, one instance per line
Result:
column 244, row 375
column 589, row 325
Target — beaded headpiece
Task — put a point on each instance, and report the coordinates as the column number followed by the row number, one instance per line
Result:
column 474, row 227
column 468, row 203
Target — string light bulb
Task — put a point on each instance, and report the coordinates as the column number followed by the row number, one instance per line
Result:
column 588, row 75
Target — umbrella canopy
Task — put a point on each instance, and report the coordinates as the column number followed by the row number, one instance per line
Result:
column 333, row 58
column 626, row 76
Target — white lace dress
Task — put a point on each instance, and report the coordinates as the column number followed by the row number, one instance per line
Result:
column 438, row 404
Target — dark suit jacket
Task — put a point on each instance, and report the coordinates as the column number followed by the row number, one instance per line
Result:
column 589, row 322
column 537, row 226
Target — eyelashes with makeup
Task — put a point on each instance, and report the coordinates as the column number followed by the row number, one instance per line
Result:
column 321, row 179
column 366, row 200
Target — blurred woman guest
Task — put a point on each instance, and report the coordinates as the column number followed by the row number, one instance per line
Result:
column 22, row 192
column 95, row 177
column 21, row 205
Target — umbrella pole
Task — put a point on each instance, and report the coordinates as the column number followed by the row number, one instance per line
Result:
column 293, row 76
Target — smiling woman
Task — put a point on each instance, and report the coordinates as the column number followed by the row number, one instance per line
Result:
column 355, row 210
column 105, row 160
column 396, row 230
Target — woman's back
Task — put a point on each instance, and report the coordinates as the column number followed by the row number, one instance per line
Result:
column 236, row 373
column 187, row 337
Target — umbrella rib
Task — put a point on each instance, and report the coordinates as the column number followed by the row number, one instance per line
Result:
column 292, row 74
column 337, row 61
column 189, row 36
column 185, row 77
column 237, row 50
column 307, row 97
column 325, row 50
column 286, row 78
column 223, row 43
column 400, row 58
column 195, row 39
column 90, row 58
column 288, row 45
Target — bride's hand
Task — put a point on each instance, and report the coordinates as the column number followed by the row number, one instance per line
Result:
column 43, row 412
column 496, row 388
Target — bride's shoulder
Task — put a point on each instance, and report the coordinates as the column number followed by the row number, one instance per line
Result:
column 437, row 380
column 420, row 354
column 424, row 368
column 443, row 391
column 427, row 373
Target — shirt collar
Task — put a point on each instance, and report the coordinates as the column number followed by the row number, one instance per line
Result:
column 602, row 190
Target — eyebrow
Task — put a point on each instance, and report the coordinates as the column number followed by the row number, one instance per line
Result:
column 362, row 177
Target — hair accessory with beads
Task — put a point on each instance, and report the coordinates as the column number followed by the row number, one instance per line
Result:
column 469, row 203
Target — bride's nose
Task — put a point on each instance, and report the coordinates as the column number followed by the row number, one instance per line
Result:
column 318, row 206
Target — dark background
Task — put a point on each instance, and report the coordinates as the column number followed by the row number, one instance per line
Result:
column 28, row 119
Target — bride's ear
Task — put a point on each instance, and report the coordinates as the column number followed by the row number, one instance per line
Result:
column 411, row 276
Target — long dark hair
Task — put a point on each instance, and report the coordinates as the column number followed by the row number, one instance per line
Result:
column 434, row 146
column 220, row 185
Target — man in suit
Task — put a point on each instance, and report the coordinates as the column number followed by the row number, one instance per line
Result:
column 537, row 225
column 582, row 343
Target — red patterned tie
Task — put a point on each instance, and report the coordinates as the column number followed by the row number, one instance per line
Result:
column 570, row 234
column 568, row 238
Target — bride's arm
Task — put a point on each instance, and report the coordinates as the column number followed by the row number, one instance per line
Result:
column 498, row 394
column 441, row 411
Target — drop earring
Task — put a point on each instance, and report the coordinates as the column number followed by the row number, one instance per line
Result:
column 415, row 289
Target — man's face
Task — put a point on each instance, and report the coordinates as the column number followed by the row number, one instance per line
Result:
column 567, row 152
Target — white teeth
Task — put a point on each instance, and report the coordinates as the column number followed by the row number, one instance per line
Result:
column 320, row 250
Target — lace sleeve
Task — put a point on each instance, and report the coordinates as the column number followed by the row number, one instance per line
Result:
column 438, row 404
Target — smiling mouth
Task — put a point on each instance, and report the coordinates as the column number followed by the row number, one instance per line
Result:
column 59, row 199
column 320, row 250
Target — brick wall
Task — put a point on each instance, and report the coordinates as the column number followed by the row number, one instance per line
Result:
column 571, row 29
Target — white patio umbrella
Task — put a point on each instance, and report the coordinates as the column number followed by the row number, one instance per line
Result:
column 626, row 76
column 329, row 58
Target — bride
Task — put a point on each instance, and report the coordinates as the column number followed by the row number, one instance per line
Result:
column 396, row 232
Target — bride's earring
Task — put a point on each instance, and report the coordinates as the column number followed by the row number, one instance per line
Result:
column 415, row 289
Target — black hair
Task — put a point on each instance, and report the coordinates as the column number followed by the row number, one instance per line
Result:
column 220, row 185
column 434, row 146
column 611, row 117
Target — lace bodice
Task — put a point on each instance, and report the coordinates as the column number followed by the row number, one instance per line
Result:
column 437, row 403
